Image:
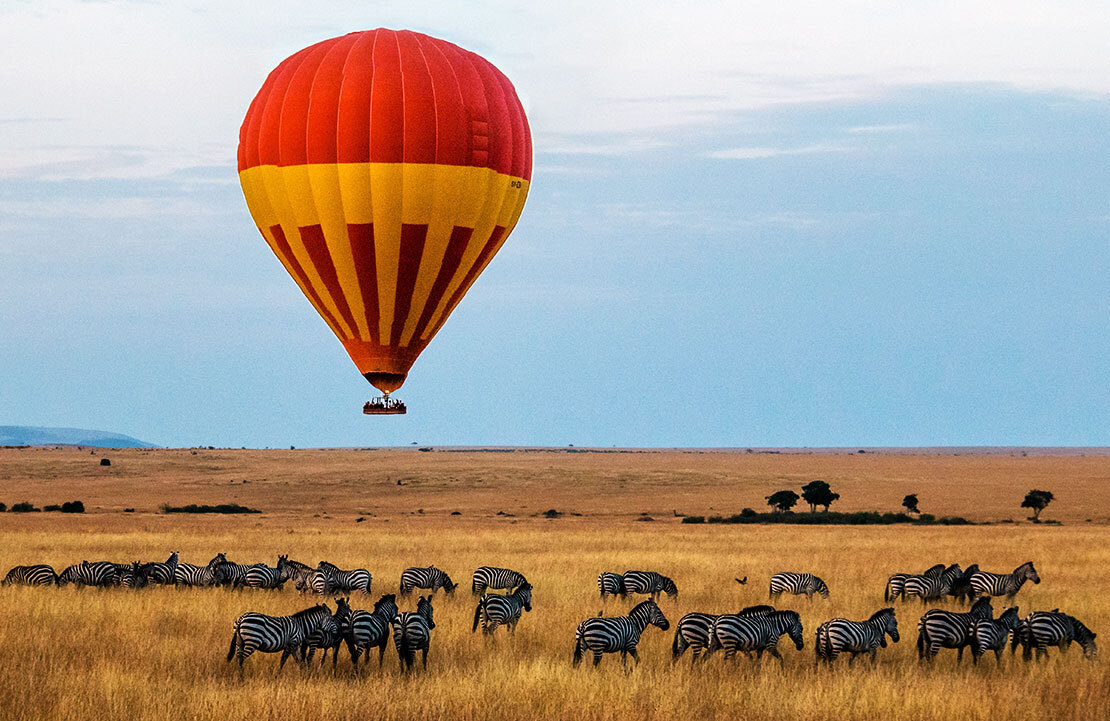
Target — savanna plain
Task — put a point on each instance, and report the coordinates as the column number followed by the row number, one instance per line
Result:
column 157, row 653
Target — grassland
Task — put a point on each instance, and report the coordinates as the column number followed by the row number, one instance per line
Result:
column 159, row 653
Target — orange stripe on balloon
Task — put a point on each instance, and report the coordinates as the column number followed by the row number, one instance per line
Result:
column 488, row 249
column 313, row 238
column 460, row 238
column 412, row 249
column 286, row 254
column 362, row 248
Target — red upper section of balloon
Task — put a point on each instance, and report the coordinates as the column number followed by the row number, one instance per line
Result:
column 387, row 96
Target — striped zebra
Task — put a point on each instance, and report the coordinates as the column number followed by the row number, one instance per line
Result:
column 328, row 635
column 1002, row 584
column 840, row 635
column 37, row 575
column 961, row 587
column 129, row 575
column 758, row 633
column 430, row 577
column 693, row 631
column 366, row 629
column 988, row 635
column 412, row 632
column 299, row 573
column 1042, row 629
column 648, row 582
column 609, row 584
column 329, row 578
column 944, row 629
column 797, row 584
column 270, row 634
column 98, row 573
column 931, row 587
column 262, row 576
column 495, row 610
column 490, row 577
column 160, row 573
column 190, row 574
column 617, row 633
column 897, row 582
column 230, row 574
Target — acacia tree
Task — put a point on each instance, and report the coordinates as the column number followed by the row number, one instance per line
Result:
column 782, row 501
column 1037, row 501
column 910, row 503
column 818, row 493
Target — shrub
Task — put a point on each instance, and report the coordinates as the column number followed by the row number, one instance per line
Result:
column 693, row 519
column 51, row 508
column 221, row 508
column 3, row 507
column 24, row 507
column 749, row 512
column 73, row 507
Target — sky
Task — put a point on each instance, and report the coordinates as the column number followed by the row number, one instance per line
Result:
column 750, row 224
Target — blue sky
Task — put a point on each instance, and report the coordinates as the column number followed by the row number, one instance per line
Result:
column 867, row 227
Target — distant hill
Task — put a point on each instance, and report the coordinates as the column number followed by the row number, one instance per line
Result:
column 37, row 436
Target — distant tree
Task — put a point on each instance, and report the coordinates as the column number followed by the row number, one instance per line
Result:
column 3, row 507
column 782, row 501
column 1037, row 500
column 818, row 493
column 910, row 503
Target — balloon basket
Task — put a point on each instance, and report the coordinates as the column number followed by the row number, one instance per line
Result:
column 384, row 406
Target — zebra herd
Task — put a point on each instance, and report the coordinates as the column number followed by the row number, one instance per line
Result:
column 754, row 630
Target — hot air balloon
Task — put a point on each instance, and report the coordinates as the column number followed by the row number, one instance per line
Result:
column 385, row 169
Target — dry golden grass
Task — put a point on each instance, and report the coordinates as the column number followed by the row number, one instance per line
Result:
column 159, row 653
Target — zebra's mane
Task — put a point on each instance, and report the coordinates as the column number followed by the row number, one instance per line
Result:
column 642, row 607
column 387, row 598
column 882, row 612
column 1022, row 567
column 310, row 611
column 1083, row 634
column 756, row 610
column 984, row 601
column 934, row 571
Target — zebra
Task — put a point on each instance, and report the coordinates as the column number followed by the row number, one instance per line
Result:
column 413, row 632
column 36, row 575
column 262, row 576
column 1042, row 629
column 270, row 634
column 988, row 635
column 610, row 584
column 617, row 633
column 495, row 610
column 491, row 577
column 228, row 573
column 944, row 629
column 693, row 631
column 797, row 584
column 299, row 573
column 759, row 633
column 99, row 573
column 364, row 629
column 931, row 587
column 336, row 579
column 189, row 574
column 961, row 587
column 839, row 635
column 1002, row 584
column 328, row 634
column 897, row 582
column 161, row 573
column 430, row 577
column 648, row 582
column 129, row 575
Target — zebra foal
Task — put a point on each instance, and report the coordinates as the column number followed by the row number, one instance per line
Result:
column 412, row 632
column 612, row 634
column 840, row 635
column 270, row 634
column 495, row 610
column 939, row 629
column 488, row 577
column 757, row 632
column 693, row 631
column 992, row 635
column 797, row 584
column 428, row 578
column 648, row 582
column 363, row 630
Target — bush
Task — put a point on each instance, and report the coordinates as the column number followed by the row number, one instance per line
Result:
column 832, row 518
column 24, row 507
column 749, row 512
column 50, row 508
column 693, row 519
column 3, row 507
column 221, row 508
column 73, row 507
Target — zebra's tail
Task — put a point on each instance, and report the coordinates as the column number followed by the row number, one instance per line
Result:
column 234, row 641
column 477, row 615
column 886, row 592
column 577, row 648
column 922, row 640
column 406, row 654
column 676, row 645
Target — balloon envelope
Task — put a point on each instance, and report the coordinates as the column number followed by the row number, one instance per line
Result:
column 385, row 169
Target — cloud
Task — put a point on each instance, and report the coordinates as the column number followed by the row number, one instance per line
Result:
column 754, row 153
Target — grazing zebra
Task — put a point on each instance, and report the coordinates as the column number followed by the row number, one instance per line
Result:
column 839, row 635
column 648, row 582
column 944, row 629
column 758, row 632
column 270, row 634
column 617, row 633
column 99, row 573
column 262, row 576
column 413, row 632
column 961, row 587
column 896, row 583
column 336, row 580
column 1042, row 629
column 931, row 587
column 364, row 630
column 36, row 575
column 430, row 577
column 490, row 577
column 129, row 575
column 693, row 631
column 610, row 585
column 230, row 574
column 190, row 574
column 299, row 573
column 797, row 584
column 495, row 610
column 328, row 634
column 161, row 573
column 1002, row 584
column 988, row 635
